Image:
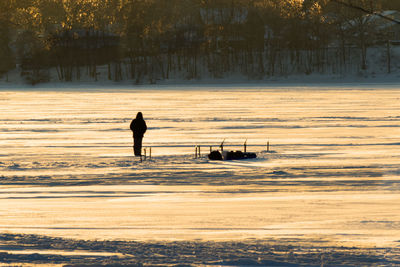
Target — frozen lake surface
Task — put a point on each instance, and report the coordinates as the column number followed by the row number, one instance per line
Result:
column 67, row 170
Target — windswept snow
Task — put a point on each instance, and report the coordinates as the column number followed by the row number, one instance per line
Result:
column 331, row 177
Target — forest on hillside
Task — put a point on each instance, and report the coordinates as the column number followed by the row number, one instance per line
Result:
column 150, row 40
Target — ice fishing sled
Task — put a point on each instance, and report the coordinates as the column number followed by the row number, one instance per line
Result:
column 231, row 155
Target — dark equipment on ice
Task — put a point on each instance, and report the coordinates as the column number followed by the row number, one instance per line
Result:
column 215, row 155
column 240, row 155
column 232, row 155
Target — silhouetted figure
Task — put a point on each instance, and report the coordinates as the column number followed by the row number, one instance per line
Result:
column 138, row 127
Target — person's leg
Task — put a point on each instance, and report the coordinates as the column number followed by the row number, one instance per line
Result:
column 137, row 147
column 133, row 146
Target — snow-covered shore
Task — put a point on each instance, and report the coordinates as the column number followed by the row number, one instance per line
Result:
column 309, row 81
column 376, row 73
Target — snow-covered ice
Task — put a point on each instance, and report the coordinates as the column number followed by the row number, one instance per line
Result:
column 332, row 178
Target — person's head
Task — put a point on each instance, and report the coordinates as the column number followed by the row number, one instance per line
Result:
column 139, row 116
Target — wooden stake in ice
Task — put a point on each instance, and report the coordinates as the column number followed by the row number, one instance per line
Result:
column 222, row 145
column 268, row 146
column 245, row 146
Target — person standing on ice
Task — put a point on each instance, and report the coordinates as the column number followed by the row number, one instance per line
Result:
column 138, row 127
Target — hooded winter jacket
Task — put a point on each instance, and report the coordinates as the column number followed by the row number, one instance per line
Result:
column 138, row 126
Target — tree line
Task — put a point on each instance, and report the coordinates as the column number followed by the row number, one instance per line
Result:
column 148, row 40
